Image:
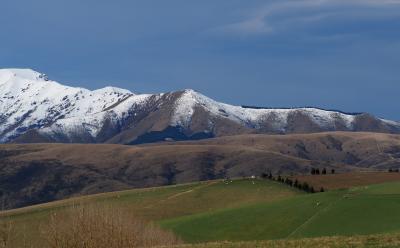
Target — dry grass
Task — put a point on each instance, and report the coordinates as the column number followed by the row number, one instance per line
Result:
column 98, row 226
column 64, row 170
column 7, row 233
column 88, row 226
column 375, row 241
column 348, row 180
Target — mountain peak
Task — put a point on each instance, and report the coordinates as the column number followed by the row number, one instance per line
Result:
column 111, row 89
column 56, row 112
column 26, row 74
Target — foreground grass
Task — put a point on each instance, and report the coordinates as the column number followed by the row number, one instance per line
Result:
column 249, row 210
column 157, row 204
column 88, row 226
column 372, row 241
column 358, row 211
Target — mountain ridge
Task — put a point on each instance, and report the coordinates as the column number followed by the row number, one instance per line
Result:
column 34, row 108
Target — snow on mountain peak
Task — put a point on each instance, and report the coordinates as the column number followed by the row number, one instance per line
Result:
column 252, row 117
column 29, row 100
column 22, row 74
column 111, row 90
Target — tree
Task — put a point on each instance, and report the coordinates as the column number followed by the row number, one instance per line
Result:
column 333, row 171
column 288, row 181
column 322, row 190
column 324, row 171
column 305, row 187
column 312, row 171
column 296, row 184
column 317, row 171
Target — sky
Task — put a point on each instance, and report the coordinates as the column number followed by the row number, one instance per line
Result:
column 333, row 54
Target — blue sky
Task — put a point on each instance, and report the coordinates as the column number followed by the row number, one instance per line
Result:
column 336, row 54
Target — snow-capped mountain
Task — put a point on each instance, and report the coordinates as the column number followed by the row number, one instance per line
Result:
column 34, row 108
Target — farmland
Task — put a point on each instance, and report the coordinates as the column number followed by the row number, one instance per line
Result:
column 244, row 211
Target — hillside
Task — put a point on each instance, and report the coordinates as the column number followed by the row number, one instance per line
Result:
column 35, row 109
column 38, row 173
column 155, row 204
column 335, row 213
column 247, row 210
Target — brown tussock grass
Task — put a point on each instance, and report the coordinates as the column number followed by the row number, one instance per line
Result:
column 88, row 226
column 98, row 226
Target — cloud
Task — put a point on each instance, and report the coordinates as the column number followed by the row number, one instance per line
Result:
column 279, row 15
column 256, row 25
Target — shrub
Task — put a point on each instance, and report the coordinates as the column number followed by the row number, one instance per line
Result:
column 296, row 184
column 305, row 187
column 98, row 226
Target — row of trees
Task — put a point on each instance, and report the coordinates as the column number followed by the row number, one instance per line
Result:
column 394, row 170
column 292, row 183
column 315, row 171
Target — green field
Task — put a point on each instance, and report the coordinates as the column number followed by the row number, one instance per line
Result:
column 359, row 211
column 245, row 210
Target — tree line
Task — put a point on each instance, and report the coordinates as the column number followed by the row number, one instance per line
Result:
column 316, row 171
column 304, row 186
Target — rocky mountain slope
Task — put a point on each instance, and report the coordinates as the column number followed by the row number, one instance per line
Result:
column 34, row 109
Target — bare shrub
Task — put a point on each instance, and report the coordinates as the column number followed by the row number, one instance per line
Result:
column 99, row 226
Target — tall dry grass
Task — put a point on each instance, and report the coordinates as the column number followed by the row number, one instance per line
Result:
column 7, row 233
column 99, row 226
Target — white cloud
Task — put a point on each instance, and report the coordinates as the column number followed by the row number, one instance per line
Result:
column 260, row 20
column 251, row 26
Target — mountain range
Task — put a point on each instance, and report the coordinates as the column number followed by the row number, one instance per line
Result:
column 35, row 109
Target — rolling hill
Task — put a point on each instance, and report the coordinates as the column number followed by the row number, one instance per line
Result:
column 37, row 173
column 251, row 210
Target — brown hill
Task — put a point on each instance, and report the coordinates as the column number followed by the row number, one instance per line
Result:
column 35, row 173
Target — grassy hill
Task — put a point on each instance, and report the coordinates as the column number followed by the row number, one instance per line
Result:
column 37, row 173
column 157, row 204
column 357, row 211
column 242, row 210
